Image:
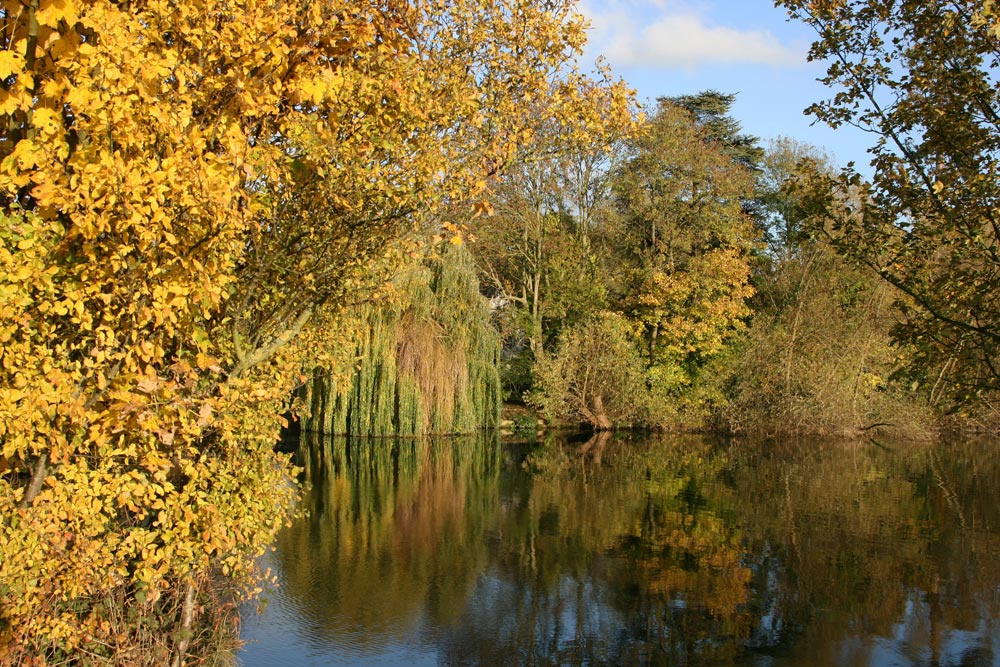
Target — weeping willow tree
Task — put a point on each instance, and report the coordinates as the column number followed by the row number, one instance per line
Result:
column 426, row 361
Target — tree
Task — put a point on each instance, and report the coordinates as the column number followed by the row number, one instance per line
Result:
column 779, row 213
column 188, row 191
column 531, row 256
column 425, row 360
column 710, row 110
column 595, row 375
column 535, row 245
column 685, row 241
column 920, row 77
column 818, row 356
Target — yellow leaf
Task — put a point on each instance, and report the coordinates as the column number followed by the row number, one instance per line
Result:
column 11, row 62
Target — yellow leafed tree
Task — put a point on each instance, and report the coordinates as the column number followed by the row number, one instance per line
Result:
column 680, row 196
column 187, row 189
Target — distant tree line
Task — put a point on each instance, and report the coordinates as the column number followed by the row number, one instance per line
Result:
column 681, row 275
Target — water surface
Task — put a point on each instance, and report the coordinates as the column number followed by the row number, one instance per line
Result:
column 637, row 551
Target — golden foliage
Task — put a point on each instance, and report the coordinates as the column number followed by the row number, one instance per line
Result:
column 189, row 189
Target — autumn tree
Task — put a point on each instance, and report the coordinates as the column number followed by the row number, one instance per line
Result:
column 670, row 248
column 818, row 356
column 683, row 241
column 189, row 190
column 920, row 77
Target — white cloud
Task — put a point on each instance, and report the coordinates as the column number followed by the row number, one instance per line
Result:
column 648, row 34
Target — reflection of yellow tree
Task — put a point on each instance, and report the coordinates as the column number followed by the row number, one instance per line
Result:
column 689, row 554
column 708, row 571
column 801, row 546
column 661, row 536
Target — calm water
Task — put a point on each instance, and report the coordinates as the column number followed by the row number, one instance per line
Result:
column 641, row 551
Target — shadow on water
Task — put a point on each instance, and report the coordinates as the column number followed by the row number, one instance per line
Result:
column 637, row 550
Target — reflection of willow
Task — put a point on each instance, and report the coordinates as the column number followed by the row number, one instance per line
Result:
column 867, row 541
column 615, row 553
column 395, row 527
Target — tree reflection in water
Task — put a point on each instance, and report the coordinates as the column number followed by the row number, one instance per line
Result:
column 646, row 551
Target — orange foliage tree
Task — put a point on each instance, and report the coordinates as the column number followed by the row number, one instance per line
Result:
column 189, row 190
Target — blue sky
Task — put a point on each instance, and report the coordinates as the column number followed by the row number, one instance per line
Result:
column 747, row 47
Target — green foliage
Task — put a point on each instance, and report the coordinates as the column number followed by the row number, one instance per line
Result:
column 535, row 248
column 920, row 76
column 426, row 361
column 595, row 375
column 711, row 112
column 651, row 226
column 516, row 373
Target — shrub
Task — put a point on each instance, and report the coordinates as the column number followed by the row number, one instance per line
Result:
column 596, row 375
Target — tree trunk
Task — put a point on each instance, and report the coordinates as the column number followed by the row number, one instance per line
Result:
column 536, row 339
column 654, row 334
column 596, row 415
column 183, row 637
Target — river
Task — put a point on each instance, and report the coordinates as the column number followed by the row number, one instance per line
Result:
column 636, row 550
